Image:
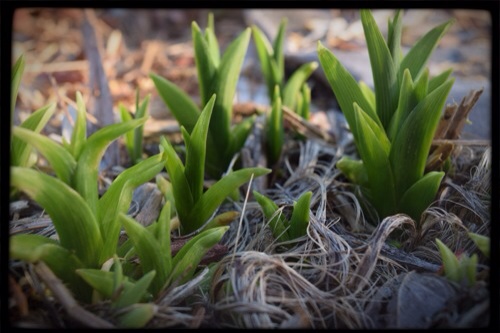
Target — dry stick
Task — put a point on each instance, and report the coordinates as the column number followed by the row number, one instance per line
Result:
column 74, row 310
column 101, row 106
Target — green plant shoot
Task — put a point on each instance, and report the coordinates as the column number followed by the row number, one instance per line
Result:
column 194, row 206
column 394, row 125
column 216, row 75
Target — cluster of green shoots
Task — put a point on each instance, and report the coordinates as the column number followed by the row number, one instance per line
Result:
column 392, row 126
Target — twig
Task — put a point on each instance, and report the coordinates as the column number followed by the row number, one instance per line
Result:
column 69, row 304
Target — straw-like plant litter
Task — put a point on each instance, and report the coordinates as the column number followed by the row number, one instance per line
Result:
column 252, row 215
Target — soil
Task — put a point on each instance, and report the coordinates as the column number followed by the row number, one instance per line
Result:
column 345, row 273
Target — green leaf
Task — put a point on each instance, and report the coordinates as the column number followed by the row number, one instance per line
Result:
column 118, row 197
column 420, row 195
column 185, row 111
column 138, row 316
column 225, row 83
column 450, row 262
column 85, row 181
column 139, row 131
column 101, row 281
column 77, row 227
column 20, row 152
column 148, row 250
column 482, row 242
column 354, row 170
column 129, row 136
column 469, row 265
column 279, row 54
column 275, row 130
column 438, row 80
column 345, row 88
column 266, row 59
column 383, row 69
column 17, row 73
column 136, row 291
column 293, row 85
column 277, row 221
column 59, row 158
column 212, row 40
column 368, row 93
column 239, row 133
column 63, row 263
column 189, row 256
column 196, row 151
column 394, row 38
column 421, row 85
column 411, row 145
column 304, row 101
column 222, row 220
column 162, row 233
column 300, row 216
column 180, row 185
column 375, row 156
column 79, row 134
column 215, row 195
column 406, row 103
column 416, row 59
column 206, row 65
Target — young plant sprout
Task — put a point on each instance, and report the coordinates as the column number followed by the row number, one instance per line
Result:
column 394, row 125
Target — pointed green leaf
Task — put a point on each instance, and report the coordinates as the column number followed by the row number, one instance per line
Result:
column 211, row 39
column 77, row 227
column 303, row 108
column 374, row 154
column 345, row 88
column 85, row 181
column 181, row 188
column 189, row 256
column 368, row 93
column 482, row 242
column 406, row 103
column 300, row 216
column 265, row 54
column 239, row 133
column 59, row 158
column 469, row 265
column 422, row 85
column 101, row 281
column 135, row 292
column 293, row 85
column 138, row 316
column 205, row 63
column 185, row 111
column 20, row 152
column 416, row 59
column 394, row 38
column 420, row 195
column 275, row 129
column 383, row 69
column 277, row 221
column 225, row 85
column 147, row 248
column 129, row 136
column 411, row 145
column 439, row 80
column 162, row 233
column 450, row 262
column 79, row 135
column 140, row 112
column 118, row 197
column 279, row 54
column 215, row 195
column 221, row 220
column 17, row 73
column 354, row 170
column 196, row 151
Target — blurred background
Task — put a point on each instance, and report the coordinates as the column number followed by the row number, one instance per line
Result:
column 132, row 43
